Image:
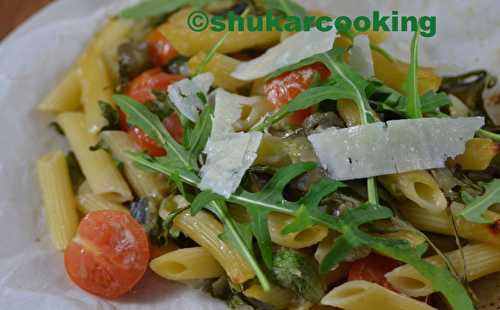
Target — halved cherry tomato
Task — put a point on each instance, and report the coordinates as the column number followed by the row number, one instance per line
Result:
column 283, row 88
column 373, row 269
column 173, row 125
column 161, row 50
column 141, row 89
column 109, row 254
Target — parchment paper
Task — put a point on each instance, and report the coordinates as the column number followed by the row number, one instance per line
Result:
column 32, row 60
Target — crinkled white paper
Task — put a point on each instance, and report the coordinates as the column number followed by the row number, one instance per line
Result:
column 33, row 59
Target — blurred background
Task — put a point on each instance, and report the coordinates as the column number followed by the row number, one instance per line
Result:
column 14, row 12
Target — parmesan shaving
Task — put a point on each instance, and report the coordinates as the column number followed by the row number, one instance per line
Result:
column 292, row 50
column 361, row 56
column 185, row 94
column 393, row 147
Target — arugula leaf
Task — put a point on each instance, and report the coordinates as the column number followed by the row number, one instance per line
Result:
column 203, row 199
column 150, row 8
column 200, row 133
column 413, row 109
column 140, row 116
column 477, row 206
column 111, row 115
column 395, row 102
column 287, row 7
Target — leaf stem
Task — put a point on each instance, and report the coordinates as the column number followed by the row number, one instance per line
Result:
column 488, row 134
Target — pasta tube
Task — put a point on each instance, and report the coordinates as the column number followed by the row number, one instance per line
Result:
column 58, row 198
column 479, row 153
column 360, row 295
column 189, row 43
column 441, row 223
column 65, row 96
column 304, row 239
column 205, row 230
column 480, row 260
column 89, row 202
column 187, row 264
column 101, row 173
column 417, row 186
column 278, row 297
column 143, row 182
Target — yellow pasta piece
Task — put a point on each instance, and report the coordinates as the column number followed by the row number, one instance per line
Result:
column 480, row 260
column 187, row 264
column 65, row 96
column 441, row 223
column 394, row 74
column 58, row 198
column 221, row 66
column 417, row 186
column 348, row 111
column 189, row 43
column 278, row 297
column 479, row 153
column 304, row 239
column 361, row 295
column 205, row 230
column 272, row 152
column 103, row 176
column 143, row 182
column 89, row 202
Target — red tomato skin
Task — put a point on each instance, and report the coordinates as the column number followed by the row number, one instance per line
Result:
column 141, row 88
column 109, row 255
column 174, row 126
column 287, row 86
column 145, row 142
column 161, row 51
column 373, row 269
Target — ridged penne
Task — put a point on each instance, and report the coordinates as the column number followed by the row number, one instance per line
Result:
column 417, row 186
column 187, row 264
column 480, row 260
column 189, row 43
column 101, row 173
column 441, row 223
column 58, row 198
column 304, row 239
column 144, row 183
column 89, row 202
column 65, row 96
column 221, row 66
column 278, row 297
column 205, row 230
column 361, row 295
column 478, row 154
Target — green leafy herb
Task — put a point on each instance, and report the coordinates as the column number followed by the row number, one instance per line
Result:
column 75, row 172
column 150, row 8
column 203, row 199
column 111, row 115
column 413, row 109
column 395, row 102
column 477, row 206
column 299, row 273
column 287, row 7
column 199, row 135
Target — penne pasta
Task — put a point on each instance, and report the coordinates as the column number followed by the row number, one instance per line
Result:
column 304, row 239
column 90, row 202
column 189, row 43
column 479, row 153
column 58, row 198
column 480, row 260
column 65, row 96
column 417, row 186
column 441, row 223
column 101, row 173
column 360, row 295
column 221, row 66
column 348, row 111
column 144, row 183
column 277, row 297
column 205, row 230
column 187, row 264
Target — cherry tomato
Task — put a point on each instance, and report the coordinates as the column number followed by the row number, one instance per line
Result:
column 373, row 269
column 283, row 88
column 109, row 254
column 141, row 89
column 173, row 125
column 161, row 50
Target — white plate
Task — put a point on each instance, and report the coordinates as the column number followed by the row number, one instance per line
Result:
column 34, row 57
